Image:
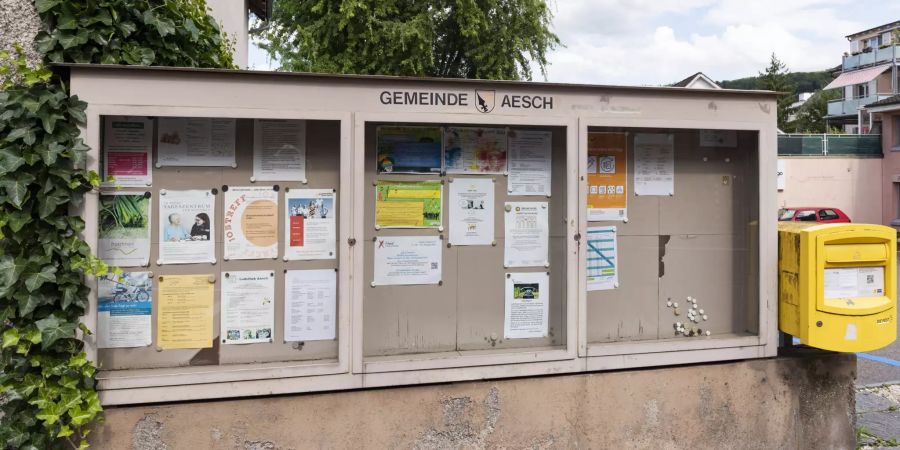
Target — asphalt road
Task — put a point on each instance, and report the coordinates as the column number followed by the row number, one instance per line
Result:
column 881, row 366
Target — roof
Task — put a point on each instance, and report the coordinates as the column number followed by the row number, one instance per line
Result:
column 261, row 8
column 857, row 76
column 392, row 78
column 884, row 27
column 689, row 81
column 893, row 100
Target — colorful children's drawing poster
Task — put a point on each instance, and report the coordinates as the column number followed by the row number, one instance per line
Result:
column 475, row 150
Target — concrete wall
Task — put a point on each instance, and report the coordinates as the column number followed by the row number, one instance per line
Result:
column 232, row 18
column 19, row 23
column 852, row 184
column 891, row 176
column 788, row 402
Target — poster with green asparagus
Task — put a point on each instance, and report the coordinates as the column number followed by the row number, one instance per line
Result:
column 124, row 232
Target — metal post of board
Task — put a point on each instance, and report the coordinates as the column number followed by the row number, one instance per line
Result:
column 824, row 143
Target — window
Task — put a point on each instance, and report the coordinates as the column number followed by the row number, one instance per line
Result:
column 827, row 214
column 861, row 90
column 806, row 216
column 786, row 214
column 872, row 42
column 895, row 130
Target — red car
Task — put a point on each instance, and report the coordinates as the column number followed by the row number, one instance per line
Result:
column 812, row 214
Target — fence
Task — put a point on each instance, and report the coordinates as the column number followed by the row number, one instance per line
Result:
column 829, row 145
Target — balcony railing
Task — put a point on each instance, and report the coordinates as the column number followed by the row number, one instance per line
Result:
column 876, row 55
column 829, row 145
column 850, row 106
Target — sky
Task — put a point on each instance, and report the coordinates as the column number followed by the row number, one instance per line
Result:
column 658, row 42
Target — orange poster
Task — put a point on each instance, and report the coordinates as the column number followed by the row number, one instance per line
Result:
column 607, row 171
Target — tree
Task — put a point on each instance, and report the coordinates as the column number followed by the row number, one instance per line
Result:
column 811, row 115
column 774, row 78
column 490, row 39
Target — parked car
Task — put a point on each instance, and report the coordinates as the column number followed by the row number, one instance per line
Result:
column 812, row 214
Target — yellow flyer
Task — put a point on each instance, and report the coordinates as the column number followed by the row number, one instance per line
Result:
column 408, row 204
column 607, row 171
column 185, row 311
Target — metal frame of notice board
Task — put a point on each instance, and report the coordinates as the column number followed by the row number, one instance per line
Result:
column 354, row 101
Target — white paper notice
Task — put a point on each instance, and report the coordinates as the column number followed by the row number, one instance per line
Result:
column 527, row 234
column 195, row 141
column 248, row 307
column 471, row 211
column 309, row 223
column 407, row 260
column 529, row 162
column 310, row 305
column 654, row 164
column 124, row 310
column 127, row 151
column 279, row 150
column 527, row 305
column 602, row 259
column 186, row 229
column 251, row 223
column 853, row 282
column 124, row 225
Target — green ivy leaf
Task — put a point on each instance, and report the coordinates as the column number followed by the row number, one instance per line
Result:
column 29, row 303
column 52, row 330
column 43, row 6
column 35, row 280
column 16, row 133
column 9, row 161
column 17, row 220
column 64, row 431
column 17, row 188
column 33, row 335
column 79, row 416
column 10, row 337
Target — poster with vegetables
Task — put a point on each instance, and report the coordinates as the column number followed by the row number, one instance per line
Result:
column 124, row 239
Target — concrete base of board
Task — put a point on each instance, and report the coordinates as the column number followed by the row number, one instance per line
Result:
column 798, row 400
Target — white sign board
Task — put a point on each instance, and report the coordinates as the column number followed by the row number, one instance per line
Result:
column 527, row 234
column 654, row 164
column 471, row 211
column 527, row 305
column 403, row 260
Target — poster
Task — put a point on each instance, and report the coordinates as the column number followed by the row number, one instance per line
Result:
column 407, row 260
column 195, row 141
column 408, row 149
column 607, row 170
column 279, row 150
column 250, row 227
column 125, row 304
column 475, row 150
column 310, row 225
column 248, row 307
column 718, row 138
column 186, row 229
column 654, row 164
column 127, row 151
column 471, row 211
column 527, row 235
column 602, row 258
column 310, row 305
column 408, row 204
column 852, row 282
column 124, row 225
column 185, row 311
column 529, row 162
column 527, row 305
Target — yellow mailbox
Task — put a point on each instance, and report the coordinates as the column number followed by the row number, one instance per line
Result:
column 837, row 285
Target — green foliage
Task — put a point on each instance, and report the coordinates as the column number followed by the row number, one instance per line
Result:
column 799, row 81
column 774, row 78
column 489, row 39
column 811, row 115
column 46, row 378
column 134, row 32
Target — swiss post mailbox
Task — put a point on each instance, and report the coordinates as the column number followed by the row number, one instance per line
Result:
column 837, row 285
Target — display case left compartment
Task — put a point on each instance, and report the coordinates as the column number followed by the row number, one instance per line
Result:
column 225, row 234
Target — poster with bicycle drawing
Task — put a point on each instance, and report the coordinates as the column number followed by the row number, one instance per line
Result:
column 124, row 310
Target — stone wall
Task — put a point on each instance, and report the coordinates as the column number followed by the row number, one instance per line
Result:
column 801, row 401
column 19, row 23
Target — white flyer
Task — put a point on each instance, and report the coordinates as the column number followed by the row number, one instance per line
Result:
column 250, row 227
column 401, row 260
column 527, row 235
column 196, row 141
column 127, row 151
column 279, row 150
column 602, row 259
column 124, row 307
column 124, row 225
column 475, row 150
column 187, row 231
column 310, row 305
column 654, row 164
column 850, row 282
column 527, row 305
column 309, row 223
column 471, row 211
column 248, row 307
column 529, row 162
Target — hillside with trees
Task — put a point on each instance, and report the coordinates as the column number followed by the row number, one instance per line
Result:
column 800, row 81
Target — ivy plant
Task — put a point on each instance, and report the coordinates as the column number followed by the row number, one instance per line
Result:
column 135, row 32
column 46, row 378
